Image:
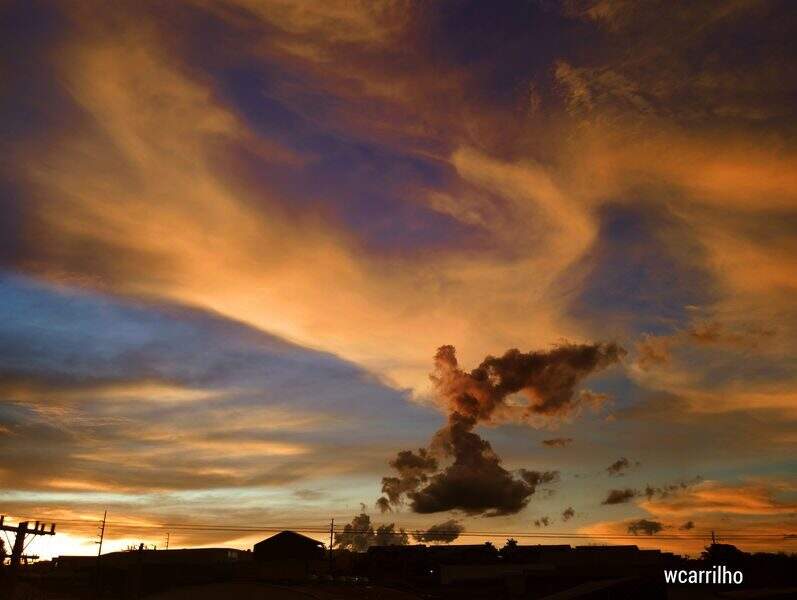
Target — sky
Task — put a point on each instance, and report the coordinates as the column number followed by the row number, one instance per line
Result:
column 527, row 265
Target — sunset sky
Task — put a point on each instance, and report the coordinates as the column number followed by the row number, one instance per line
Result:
column 234, row 234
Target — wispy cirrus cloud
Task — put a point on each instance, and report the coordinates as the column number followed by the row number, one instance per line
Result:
column 214, row 195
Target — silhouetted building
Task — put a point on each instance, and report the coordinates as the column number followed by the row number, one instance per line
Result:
column 289, row 545
column 184, row 556
column 387, row 563
column 289, row 556
column 536, row 553
column 132, row 573
column 463, row 554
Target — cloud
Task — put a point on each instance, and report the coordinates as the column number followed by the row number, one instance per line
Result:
column 568, row 513
column 652, row 351
column 618, row 467
column 620, row 496
column 413, row 469
column 709, row 497
column 142, row 411
column 249, row 168
column 548, row 379
column 542, row 522
column 309, row 495
column 440, row 533
column 557, row 442
column 758, row 511
column 657, row 351
column 358, row 178
column 383, row 504
column 645, row 526
column 475, row 482
column 671, row 488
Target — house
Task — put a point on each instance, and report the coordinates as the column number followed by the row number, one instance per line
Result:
column 288, row 545
column 289, row 556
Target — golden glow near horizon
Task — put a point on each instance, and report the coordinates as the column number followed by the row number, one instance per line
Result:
column 235, row 233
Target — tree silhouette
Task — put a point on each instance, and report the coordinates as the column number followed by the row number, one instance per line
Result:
column 386, row 535
column 359, row 535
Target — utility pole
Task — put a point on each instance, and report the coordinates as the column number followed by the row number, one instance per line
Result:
column 18, row 550
column 22, row 530
column 713, row 537
column 167, row 540
column 331, row 535
column 99, row 552
column 102, row 533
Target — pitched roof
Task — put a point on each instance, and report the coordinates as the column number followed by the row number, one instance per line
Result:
column 290, row 537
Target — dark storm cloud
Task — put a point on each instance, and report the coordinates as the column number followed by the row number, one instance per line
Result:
column 620, row 496
column 568, row 513
column 557, row 442
column 440, row 533
column 548, row 379
column 475, row 482
column 645, row 526
column 413, row 470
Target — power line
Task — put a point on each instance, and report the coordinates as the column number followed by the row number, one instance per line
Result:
column 325, row 529
column 575, row 536
column 7, row 539
column 482, row 534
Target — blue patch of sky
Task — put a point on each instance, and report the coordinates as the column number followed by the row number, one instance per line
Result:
column 375, row 190
column 64, row 336
column 640, row 281
column 370, row 185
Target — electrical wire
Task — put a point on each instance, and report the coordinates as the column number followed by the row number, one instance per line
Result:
column 737, row 535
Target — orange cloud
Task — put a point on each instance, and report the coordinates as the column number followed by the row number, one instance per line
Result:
column 715, row 497
column 748, row 515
